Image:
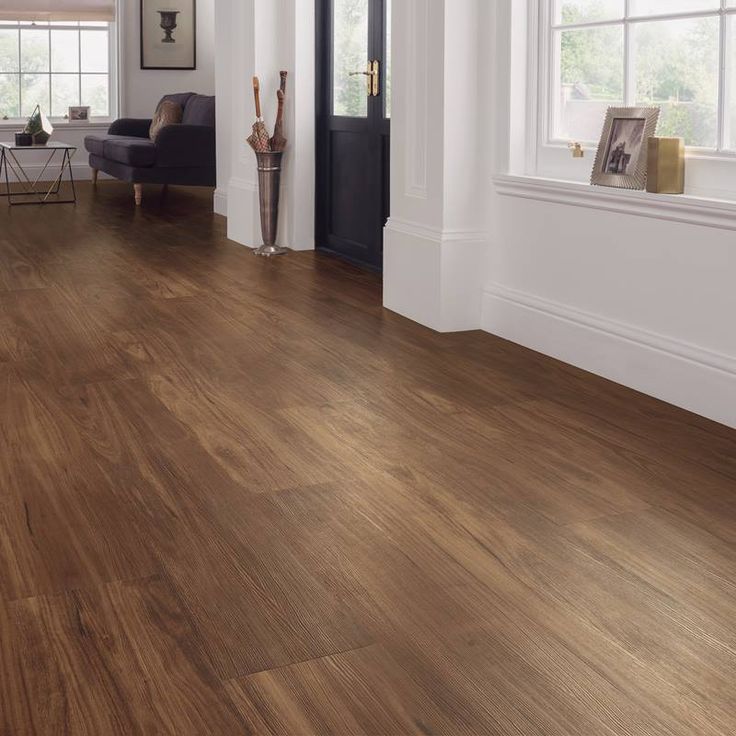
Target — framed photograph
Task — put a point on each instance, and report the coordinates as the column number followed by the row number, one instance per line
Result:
column 169, row 34
column 621, row 160
column 79, row 113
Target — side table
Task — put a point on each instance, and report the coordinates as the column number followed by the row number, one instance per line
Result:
column 34, row 191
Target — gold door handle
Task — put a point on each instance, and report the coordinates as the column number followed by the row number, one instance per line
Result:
column 373, row 75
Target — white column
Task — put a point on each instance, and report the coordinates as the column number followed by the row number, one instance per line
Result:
column 261, row 37
column 436, row 237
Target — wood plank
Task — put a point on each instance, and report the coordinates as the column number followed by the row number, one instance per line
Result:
column 117, row 660
column 237, row 495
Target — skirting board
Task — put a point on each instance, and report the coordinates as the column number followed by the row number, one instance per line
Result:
column 685, row 375
column 82, row 172
column 220, row 202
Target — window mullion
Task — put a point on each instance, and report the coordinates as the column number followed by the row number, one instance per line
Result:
column 724, row 91
column 629, row 81
column 49, row 72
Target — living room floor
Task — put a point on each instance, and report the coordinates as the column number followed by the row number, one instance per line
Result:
column 237, row 496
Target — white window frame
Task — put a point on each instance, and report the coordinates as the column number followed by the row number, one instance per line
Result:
column 112, row 73
column 711, row 172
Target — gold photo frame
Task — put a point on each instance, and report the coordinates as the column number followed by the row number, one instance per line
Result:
column 621, row 160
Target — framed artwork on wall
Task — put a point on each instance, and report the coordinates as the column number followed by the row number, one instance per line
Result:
column 168, row 34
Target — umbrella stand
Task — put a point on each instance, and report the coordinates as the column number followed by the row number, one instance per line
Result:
column 269, row 189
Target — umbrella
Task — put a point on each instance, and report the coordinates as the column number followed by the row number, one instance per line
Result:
column 278, row 142
column 283, row 81
column 259, row 140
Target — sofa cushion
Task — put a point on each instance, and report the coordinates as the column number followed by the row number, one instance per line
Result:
column 167, row 113
column 199, row 110
column 130, row 151
column 95, row 143
column 180, row 98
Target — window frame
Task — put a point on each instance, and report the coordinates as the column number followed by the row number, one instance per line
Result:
column 112, row 69
column 547, row 81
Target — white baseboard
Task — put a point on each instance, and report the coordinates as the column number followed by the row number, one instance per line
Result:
column 82, row 172
column 220, row 202
column 682, row 374
column 433, row 276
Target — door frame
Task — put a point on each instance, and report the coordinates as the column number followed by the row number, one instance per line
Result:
column 323, row 85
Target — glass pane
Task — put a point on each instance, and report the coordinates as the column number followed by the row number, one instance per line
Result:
column 583, row 11
column 94, row 51
column 676, row 68
column 64, row 51
column 9, row 95
column 64, row 92
column 730, row 141
column 34, row 91
column 34, row 50
column 387, row 91
column 591, row 74
column 95, row 93
column 8, row 51
column 668, row 7
column 350, row 54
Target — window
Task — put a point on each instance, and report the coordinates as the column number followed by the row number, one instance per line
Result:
column 679, row 55
column 55, row 64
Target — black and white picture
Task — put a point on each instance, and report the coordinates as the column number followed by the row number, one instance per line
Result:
column 624, row 145
column 79, row 113
column 621, row 160
column 168, row 34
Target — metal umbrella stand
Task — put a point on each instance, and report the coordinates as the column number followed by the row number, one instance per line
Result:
column 269, row 189
column 269, row 154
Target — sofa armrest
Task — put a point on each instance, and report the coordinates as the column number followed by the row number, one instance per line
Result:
column 185, row 146
column 131, row 127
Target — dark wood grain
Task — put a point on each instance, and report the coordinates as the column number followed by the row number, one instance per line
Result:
column 237, row 496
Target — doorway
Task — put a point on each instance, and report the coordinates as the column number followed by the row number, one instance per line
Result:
column 353, row 128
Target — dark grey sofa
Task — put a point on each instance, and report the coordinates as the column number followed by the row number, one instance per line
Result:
column 182, row 154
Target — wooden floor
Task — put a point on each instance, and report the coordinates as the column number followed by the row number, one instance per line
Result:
column 239, row 497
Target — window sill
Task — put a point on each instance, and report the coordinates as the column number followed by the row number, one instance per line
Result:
column 18, row 125
column 685, row 208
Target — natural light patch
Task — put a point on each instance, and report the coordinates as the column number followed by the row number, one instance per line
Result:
column 662, row 53
column 54, row 65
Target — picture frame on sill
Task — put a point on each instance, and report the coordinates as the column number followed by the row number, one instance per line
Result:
column 79, row 113
column 168, row 34
column 621, row 160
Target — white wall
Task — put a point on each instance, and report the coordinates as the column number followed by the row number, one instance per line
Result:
column 261, row 37
column 140, row 90
column 143, row 88
column 642, row 300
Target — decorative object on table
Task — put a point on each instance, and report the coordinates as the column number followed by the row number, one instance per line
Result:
column 259, row 139
column 181, row 154
column 30, row 190
column 167, row 113
column 39, row 127
column 168, row 34
column 666, row 165
column 79, row 113
column 621, row 160
column 576, row 149
column 22, row 140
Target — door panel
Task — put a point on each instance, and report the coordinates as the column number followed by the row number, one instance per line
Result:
column 352, row 130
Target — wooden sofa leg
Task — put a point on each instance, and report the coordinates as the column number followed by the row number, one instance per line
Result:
column 94, row 177
column 138, row 192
